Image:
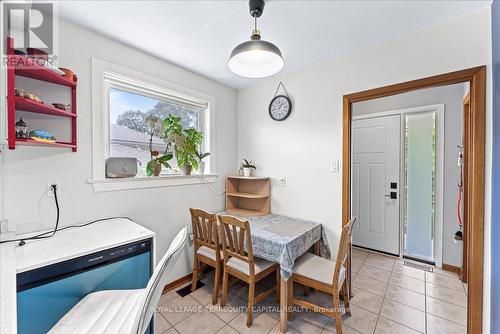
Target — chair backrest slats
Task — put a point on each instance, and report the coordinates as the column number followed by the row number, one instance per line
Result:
column 237, row 240
column 242, row 242
column 205, row 231
column 343, row 252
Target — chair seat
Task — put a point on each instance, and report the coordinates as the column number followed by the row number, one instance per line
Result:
column 108, row 311
column 318, row 269
column 209, row 252
column 242, row 266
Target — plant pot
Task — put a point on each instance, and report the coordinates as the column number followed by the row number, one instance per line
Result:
column 185, row 169
column 201, row 168
column 248, row 172
column 157, row 170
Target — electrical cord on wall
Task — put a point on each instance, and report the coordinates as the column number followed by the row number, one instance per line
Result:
column 22, row 241
column 214, row 190
column 49, row 234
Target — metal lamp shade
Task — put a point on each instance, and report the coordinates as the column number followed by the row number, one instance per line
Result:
column 256, row 59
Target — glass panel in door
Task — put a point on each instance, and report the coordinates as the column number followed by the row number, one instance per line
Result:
column 419, row 192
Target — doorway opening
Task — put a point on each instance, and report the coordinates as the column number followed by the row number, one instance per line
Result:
column 473, row 171
column 401, row 210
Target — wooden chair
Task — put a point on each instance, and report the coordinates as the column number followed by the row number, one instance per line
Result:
column 324, row 275
column 242, row 264
column 206, row 247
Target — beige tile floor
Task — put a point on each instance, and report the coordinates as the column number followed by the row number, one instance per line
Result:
column 407, row 300
column 388, row 298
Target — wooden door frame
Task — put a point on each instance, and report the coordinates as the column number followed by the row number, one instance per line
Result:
column 477, row 79
column 466, row 152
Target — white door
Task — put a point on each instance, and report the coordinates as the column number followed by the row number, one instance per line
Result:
column 375, row 174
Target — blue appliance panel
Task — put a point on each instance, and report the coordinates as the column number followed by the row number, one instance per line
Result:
column 47, row 294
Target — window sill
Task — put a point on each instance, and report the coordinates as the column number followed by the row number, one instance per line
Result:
column 104, row 185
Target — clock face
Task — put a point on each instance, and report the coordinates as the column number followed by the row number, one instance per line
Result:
column 280, row 108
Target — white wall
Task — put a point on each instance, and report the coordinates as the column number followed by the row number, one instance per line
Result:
column 452, row 96
column 27, row 170
column 302, row 147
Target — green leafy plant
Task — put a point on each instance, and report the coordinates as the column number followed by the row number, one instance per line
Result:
column 172, row 130
column 202, row 156
column 185, row 149
column 154, row 165
column 247, row 164
column 184, row 141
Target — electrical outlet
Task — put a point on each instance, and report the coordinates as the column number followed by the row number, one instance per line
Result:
column 50, row 192
column 281, row 182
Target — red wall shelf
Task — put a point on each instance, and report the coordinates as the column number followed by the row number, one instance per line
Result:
column 40, row 143
column 26, row 67
column 25, row 104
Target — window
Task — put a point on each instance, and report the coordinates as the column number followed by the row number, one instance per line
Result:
column 129, row 135
column 121, row 100
column 130, row 102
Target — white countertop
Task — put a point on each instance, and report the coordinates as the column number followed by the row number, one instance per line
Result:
column 64, row 245
column 75, row 242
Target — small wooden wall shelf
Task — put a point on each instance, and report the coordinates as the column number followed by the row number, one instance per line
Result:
column 248, row 196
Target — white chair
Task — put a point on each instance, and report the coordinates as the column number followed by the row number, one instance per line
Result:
column 121, row 311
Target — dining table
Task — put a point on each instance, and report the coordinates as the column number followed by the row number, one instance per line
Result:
column 281, row 239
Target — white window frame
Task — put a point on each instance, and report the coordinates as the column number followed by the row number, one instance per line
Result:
column 106, row 75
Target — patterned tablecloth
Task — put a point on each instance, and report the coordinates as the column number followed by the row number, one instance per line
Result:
column 282, row 239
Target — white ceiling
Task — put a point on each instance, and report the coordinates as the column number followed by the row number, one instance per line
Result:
column 199, row 35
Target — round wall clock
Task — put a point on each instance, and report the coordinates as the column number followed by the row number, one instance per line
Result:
column 280, row 107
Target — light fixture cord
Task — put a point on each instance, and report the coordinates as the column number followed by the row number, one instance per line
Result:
column 255, row 19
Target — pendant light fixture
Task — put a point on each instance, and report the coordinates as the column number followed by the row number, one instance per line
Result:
column 256, row 58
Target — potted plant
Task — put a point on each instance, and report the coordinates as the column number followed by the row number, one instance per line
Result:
column 185, row 143
column 185, row 150
column 248, row 168
column 154, row 165
column 201, row 156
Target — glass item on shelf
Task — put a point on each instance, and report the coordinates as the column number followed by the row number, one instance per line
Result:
column 22, row 129
column 42, row 136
